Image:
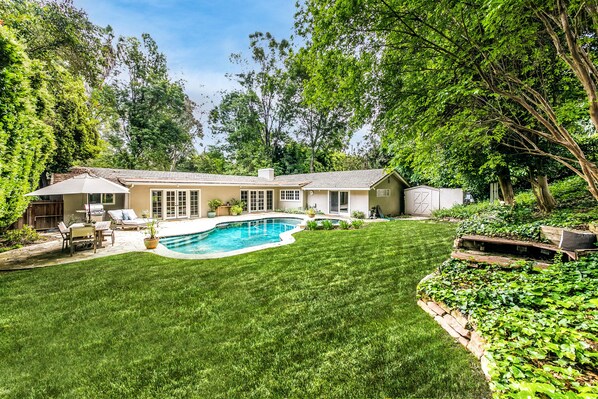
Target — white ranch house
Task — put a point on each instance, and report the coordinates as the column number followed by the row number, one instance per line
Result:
column 182, row 195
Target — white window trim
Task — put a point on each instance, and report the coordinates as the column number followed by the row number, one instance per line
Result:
column 187, row 207
column 296, row 195
column 382, row 192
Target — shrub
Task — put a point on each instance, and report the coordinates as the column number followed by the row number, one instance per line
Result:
column 214, row 204
column 344, row 225
column 311, row 225
column 311, row 212
column 358, row 215
column 357, row 223
column 540, row 324
column 236, row 209
column 26, row 235
column 327, row 225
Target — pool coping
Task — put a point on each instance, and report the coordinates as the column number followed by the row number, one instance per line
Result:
column 286, row 238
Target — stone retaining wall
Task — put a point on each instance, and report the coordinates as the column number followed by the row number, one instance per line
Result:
column 458, row 326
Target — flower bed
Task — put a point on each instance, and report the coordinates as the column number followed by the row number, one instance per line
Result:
column 540, row 326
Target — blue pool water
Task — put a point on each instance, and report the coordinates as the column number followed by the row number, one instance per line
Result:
column 226, row 237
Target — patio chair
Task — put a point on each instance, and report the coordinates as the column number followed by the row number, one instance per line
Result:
column 105, row 231
column 65, row 234
column 83, row 235
column 126, row 218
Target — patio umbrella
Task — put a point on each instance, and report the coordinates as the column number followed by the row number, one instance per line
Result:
column 81, row 184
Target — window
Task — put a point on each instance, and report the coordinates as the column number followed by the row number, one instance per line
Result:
column 289, row 195
column 194, row 203
column 244, row 197
column 157, row 204
column 383, row 192
column 269, row 200
column 106, row 199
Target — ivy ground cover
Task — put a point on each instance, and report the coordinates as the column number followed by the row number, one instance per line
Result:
column 541, row 325
column 333, row 315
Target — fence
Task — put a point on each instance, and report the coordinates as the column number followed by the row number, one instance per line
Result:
column 42, row 215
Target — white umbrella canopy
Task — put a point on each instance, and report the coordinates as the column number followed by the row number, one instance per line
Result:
column 81, row 184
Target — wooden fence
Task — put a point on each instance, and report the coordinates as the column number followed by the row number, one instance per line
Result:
column 42, row 215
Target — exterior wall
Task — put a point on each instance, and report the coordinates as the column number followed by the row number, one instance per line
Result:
column 450, row 197
column 280, row 204
column 139, row 196
column 359, row 201
column 318, row 200
column 392, row 205
column 76, row 202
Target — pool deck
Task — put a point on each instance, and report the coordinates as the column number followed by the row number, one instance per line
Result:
column 48, row 253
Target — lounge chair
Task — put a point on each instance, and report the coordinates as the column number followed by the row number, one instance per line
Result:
column 105, row 231
column 66, row 235
column 126, row 218
column 83, row 235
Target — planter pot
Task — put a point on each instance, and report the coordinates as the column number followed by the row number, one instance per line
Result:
column 311, row 216
column 212, row 214
column 151, row 243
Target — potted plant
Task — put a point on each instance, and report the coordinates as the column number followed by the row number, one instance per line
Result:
column 151, row 241
column 311, row 212
column 236, row 207
column 213, row 205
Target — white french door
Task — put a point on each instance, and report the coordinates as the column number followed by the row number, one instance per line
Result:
column 175, row 204
column 338, row 202
column 258, row 200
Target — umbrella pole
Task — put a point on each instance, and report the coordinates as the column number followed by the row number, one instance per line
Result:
column 88, row 213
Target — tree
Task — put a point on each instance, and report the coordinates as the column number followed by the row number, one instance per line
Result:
column 75, row 54
column 318, row 124
column 491, row 53
column 153, row 124
column 258, row 114
column 25, row 138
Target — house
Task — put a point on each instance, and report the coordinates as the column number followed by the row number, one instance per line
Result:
column 182, row 195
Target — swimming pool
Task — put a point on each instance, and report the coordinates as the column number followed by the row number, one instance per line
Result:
column 231, row 236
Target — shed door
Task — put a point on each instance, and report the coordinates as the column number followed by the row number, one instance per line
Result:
column 422, row 201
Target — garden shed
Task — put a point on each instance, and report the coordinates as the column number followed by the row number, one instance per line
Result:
column 423, row 200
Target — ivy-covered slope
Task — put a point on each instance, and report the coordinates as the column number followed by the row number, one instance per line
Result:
column 541, row 325
column 576, row 209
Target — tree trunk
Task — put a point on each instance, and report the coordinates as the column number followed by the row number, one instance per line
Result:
column 311, row 161
column 506, row 186
column 546, row 201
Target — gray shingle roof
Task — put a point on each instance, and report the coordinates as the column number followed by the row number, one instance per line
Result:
column 355, row 179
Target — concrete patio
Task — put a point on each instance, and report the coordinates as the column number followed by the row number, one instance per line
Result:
column 49, row 253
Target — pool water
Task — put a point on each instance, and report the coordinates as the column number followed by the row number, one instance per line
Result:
column 231, row 236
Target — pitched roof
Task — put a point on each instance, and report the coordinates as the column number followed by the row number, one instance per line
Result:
column 124, row 176
column 351, row 179
column 354, row 179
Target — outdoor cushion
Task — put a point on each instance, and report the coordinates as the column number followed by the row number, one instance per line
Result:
column 116, row 215
column 129, row 214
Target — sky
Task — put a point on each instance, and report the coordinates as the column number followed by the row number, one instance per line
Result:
column 197, row 37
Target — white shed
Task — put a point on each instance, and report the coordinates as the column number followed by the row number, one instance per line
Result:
column 422, row 200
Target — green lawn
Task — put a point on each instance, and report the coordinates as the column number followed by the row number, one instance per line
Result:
column 332, row 315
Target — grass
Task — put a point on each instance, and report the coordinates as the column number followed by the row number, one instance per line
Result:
column 333, row 315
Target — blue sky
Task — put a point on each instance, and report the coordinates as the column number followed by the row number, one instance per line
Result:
column 197, row 37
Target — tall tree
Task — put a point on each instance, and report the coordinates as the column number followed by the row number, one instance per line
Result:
column 259, row 112
column 25, row 138
column 320, row 125
column 75, row 54
column 495, row 53
column 153, row 124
